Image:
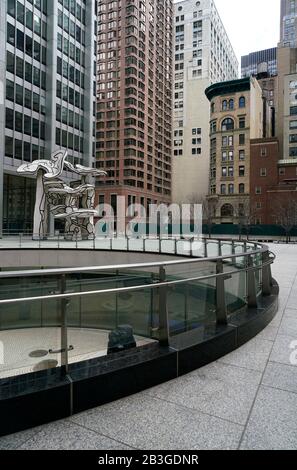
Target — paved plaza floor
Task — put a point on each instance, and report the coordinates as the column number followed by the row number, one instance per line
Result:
column 246, row 400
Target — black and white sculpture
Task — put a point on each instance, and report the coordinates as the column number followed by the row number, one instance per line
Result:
column 75, row 205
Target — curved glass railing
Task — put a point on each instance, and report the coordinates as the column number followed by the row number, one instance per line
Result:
column 56, row 317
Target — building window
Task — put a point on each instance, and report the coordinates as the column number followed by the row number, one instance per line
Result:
column 241, row 171
column 241, row 155
column 212, row 107
column 282, row 171
column 263, row 172
column 242, row 123
column 227, row 124
column 293, row 151
column 258, row 190
column 241, row 188
column 224, row 105
column 263, row 152
column 231, row 188
column 231, row 104
column 242, row 102
column 293, row 138
column 223, row 189
column 241, row 139
column 227, row 210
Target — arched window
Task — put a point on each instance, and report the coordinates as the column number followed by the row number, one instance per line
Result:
column 225, row 105
column 227, row 125
column 227, row 210
column 231, row 104
column 241, row 188
column 242, row 102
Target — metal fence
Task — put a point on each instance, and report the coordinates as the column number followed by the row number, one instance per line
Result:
column 213, row 280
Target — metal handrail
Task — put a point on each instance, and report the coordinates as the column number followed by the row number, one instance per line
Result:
column 136, row 288
column 89, row 269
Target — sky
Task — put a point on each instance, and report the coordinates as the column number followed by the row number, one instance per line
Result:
column 251, row 25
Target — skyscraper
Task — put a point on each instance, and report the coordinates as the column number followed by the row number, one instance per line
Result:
column 47, row 93
column 203, row 55
column 134, row 101
column 288, row 23
column 259, row 62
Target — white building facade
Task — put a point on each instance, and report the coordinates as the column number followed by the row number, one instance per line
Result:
column 203, row 55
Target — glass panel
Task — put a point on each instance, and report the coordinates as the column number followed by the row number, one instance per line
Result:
column 191, row 305
column 29, row 330
column 235, row 292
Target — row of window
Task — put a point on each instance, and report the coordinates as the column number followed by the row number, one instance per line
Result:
column 24, row 124
column 179, row 152
column 70, row 95
column 70, row 27
column 230, row 189
column 68, row 71
column 75, row 9
column 230, row 155
column 228, row 124
column 22, row 150
column 22, row 69
column 26, row 44
column 69, row 117
column 228, row 171
column 230, row 104
column 68, row 48
column 69, row 140
column 25, row 97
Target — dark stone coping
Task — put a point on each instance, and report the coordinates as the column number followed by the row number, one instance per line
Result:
column 41, row 397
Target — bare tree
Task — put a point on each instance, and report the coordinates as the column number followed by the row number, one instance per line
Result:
column 285, row 213
column 209, row 207
column 246, row 214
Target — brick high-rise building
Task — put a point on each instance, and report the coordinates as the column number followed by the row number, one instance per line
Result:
column 134, row 100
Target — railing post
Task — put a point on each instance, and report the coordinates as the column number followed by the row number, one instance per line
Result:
column 266, row 274
column 160, row 245
column 64, row 332
column 220, row 247
column 117, row 300
column 76, row 240
column 21, row 237
column 205, row 248
column 251, row 284
column 233, row 247
column 163, row 310
column 221, row 310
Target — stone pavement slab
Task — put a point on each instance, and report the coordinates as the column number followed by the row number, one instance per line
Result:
column 272, row 425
